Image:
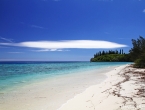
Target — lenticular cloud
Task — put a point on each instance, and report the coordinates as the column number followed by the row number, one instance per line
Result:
column 67, row 44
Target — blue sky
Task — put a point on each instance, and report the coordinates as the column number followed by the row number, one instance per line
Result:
column 57, row 30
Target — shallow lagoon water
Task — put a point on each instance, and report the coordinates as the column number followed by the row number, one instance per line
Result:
column 15, row 74
column 47, row 85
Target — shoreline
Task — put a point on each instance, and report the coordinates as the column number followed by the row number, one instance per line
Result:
column 51, row 94
column 124, row 89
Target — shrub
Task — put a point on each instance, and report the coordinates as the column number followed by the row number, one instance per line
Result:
column 140, row 63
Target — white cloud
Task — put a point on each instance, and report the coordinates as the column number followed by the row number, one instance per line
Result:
column 46, row 50
column 67, row 44
column 5, row 39
column 144, row 11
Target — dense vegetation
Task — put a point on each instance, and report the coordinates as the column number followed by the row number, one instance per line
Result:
column 111, row 56
column 136, row 54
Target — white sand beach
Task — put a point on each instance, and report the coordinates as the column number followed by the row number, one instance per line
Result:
column 51, row 93
column 124, row 89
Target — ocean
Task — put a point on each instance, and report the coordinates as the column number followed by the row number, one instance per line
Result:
column 16, row 74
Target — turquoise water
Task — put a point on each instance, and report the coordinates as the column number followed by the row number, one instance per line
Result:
column 13, row 74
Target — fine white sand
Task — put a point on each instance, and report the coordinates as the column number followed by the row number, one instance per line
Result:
column 50, row 93
column 124, row 89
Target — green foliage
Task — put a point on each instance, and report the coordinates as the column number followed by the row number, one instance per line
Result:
column 137, row 53
column 138, row 48
column 111, row 58
column 106, row 53
column 139, row 63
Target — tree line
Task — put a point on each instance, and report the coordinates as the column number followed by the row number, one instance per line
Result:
column 108, row 52
column 136, row 54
